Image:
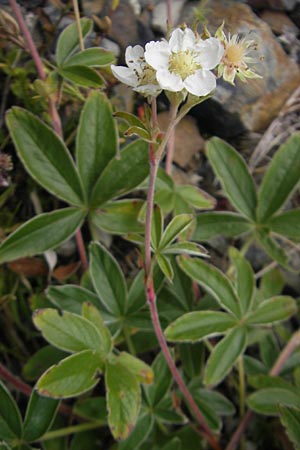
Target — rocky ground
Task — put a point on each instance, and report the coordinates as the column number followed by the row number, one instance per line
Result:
column 255, row 116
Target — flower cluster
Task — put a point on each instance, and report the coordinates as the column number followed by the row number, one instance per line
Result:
column 184, row 63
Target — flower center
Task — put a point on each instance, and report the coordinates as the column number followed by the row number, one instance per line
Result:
column 234, row 55
column 146, row 74
column 183, row 64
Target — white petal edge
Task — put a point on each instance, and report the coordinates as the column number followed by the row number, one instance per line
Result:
column 169, row 81
column 210, row 53
column 157, row 54
column 201, row 83
column 125, row 75
column 134, row 56
column 181, row 40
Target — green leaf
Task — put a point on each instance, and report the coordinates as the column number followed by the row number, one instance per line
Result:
column 186, row 248
column 225, row 355
column 91, row 57
column 139, row 434
column 195, row 197
column 244, row 279
column 82, row 76
column 290, row 419
column 177, row 225
column 122, row 174
column 220, row 404
column 165, row 412
column 68, row 41
column 10, row 417
column 272, row 248
column 71, row 297
column 214, row 282
column 137, row 367
column 90, row 312
column 96, row 142
column 73, row 376
column 157, row 226
column 68, row 331
column 274, row 309
column 44, row 156
column 123, row 399
column 41, row 361
column 108, row 279
column 213, row 224
column 287, row 224
column 266, row 401
column 39, row 416
column 119, row 217
column 173, row 444
column 162, row 381
column 131, row 119
column 41, row 233
column 280, row 180
column 234, row 176
column 138, row 131
column 197, row 325
column 165, row 265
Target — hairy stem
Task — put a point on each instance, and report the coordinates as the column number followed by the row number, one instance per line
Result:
column 276, row 369
column 151, row 298
column 25, row 389
column 56, row 122
column 77, row 17
column 154, row 159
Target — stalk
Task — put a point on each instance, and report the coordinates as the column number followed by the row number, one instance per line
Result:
column 56, row 122
column 154, row 159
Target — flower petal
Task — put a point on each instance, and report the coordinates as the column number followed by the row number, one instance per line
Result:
column 157, row 54
column 210, row 53
column 201, row 83
column 125, row 75
column 169, row 81
column 182, row 40
column 134, row 56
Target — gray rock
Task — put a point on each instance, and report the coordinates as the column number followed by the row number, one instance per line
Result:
column 253, row 105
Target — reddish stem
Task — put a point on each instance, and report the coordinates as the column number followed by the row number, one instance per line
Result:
column 151, row 297
column 20, row 386
column 56, row 122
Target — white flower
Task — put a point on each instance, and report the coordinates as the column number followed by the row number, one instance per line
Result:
column 185, row 62
column 236, row 57
column 138, row 74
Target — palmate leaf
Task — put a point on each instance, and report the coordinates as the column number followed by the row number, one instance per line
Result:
column 44, row 156
column 41, row 233
column 82, row 76
column 68, row 41
column 244, row 279
column 225, row 355
column 119, row 217
column 287, row 224
column 91, row 57
column 96, row 142
column 39, row 416
column 233, row 174
column 197, row 325
column 290, row 419
column 214, row 281
column 266, row 401
column 273, row 310
column 10, row 417
column 280, row 180
column 212, row 224
column 123, row 399
column 72, row 376
column 177, row 225
column 122, row 174
column 108, row 279
column 70, row 332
